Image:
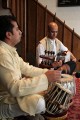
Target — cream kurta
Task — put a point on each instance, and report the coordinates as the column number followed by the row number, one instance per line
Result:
column 18, row 89
column 48, row 44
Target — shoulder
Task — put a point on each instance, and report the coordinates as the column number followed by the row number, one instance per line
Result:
column 43, row 40
column 2, row 51
column 5, row 55
column 42, row 43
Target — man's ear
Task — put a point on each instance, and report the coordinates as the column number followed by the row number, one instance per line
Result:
column 8, row 34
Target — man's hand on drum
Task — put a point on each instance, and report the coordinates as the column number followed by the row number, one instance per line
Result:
column 53, row 75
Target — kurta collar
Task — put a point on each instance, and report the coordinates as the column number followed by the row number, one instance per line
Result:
column 10, row 48
column 51, row 41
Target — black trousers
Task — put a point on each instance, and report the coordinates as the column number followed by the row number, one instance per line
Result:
column 72, row 66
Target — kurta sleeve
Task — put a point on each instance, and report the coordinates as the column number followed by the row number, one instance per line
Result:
column 10, row 72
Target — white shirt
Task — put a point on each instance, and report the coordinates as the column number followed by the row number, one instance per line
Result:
column 53, row 46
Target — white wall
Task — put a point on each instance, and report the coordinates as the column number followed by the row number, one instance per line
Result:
column 71, row 15
column 4, row 11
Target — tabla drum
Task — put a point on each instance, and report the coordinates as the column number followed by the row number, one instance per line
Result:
column 58, row 97
column 68, row 82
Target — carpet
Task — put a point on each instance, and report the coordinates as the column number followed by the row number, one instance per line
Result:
column 74, row 110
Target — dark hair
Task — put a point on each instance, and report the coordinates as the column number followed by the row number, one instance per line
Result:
column 6, row 25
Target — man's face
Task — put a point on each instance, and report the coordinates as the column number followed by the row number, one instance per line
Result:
column 15, row 36
column 52, row 32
